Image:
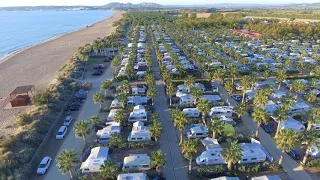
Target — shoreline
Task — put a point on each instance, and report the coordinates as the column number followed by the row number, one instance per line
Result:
column 16, row 52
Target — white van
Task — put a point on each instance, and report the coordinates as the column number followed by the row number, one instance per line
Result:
column 221, row 110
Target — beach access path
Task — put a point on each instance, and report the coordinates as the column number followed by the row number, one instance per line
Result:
column 70, row 141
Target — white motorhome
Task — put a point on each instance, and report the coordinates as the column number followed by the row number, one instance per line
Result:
column 136, row 162
column 138, row 114
column 227, row 120
column 187, row 99
column 299, row 108
column 252, row 153
column 111, row 115
column 210, row 157
column 139, row 132
column 221, row 110
column 96, row 158
column 105, row 133
column 210, row 143
column 292, row 124
column 212, row 98
column 198, row 131
column 191, row 112
column 133, row 176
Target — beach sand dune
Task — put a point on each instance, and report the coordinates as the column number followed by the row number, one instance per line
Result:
column 39, row 64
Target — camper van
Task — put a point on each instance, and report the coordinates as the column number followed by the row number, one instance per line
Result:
column 227, row 120
column 96, row 158
column 136, row 162
column 299, row 108
column 140, row 176
column 191, row 112
column 115, row 104
column 137, row 100
column 111, row 115
column 210, row 157
column 212, row 98
column 221, row 110
column 252, row 153
column 198, row 131
column 139, row 132
column 187, row 99
column 105, row 133
column 292, row 124
column 138, row 114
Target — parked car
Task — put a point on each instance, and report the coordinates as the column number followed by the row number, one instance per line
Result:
column 44, row 165
column 97, row 72
column 74, row 107
column 294, row 154
column 61, row 132
column 67, row 121
column 266, row 128
column 236, row 97
column 75, row 104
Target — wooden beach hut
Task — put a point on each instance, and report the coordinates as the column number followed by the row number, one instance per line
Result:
column 21, row 95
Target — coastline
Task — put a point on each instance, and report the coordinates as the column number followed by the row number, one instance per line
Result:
column 38, row 64
column 10, row 55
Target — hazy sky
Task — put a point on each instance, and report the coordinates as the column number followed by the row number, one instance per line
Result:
column 164, row 2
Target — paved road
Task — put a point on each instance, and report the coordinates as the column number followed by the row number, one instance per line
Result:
column 292, row 167
column 70, row 141
column 176, row 168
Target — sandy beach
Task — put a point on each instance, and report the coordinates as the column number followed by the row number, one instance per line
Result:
column 38, row 65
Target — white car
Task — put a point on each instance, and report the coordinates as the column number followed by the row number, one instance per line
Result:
column 61, row 132
column 44, row 165
column 67, row 121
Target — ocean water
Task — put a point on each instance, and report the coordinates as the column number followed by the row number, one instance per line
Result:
column 20, row 29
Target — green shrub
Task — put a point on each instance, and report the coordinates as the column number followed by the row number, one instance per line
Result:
column 8, row 143
column 210, row 171
column 41, row 98
column 116, row 141
column 141, row 145
column 24, row 119
column 313, row 163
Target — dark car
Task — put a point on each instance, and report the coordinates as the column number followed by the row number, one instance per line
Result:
column 97, row 72
column 236, row 97
column 74, row 107
column 75, row 104
column 294, row 154
column 266, row 128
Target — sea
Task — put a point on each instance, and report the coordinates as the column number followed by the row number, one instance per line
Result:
column 21, row 29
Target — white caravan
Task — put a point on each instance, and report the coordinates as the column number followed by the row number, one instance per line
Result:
column 138, row 114
column 105, row 133
column 96, row 158
column 136, row 162
column 299, row 108
column 221, row 110
column 292, row 124
column 210, row 157
column 198, row 131
column 133, row 176
column 252, row 153
column 191, row 112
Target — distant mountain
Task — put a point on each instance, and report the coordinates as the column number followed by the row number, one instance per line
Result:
column 144, row 5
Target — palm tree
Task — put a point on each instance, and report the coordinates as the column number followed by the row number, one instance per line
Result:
column 67, row 161
column 155, row 117
column 156, row 130
column 260, row 98
column 116, row 141
column 313, row 83
column 189, row 81
column 309, row 138
column 228, row 86
column 82, row 129
column 313, row 117
column 231, row 153
column 285, row 141
column 281, row 116
column 179, row 121
column 98, row 98
column 196, row 92
column 106, row 85
column 204, row 107
column 254, row 77
column 125, row 86
column 149, row 79
column 158, row 160
column 310, row 96
column 120, row 117
column 219, row 75
column 215, row 126
column 189, row 149
column 245, row 81
column 152, row 93
column 95, row 121
column 123, row 99
column 259, row 116
column 170, row 90
column 233, row 72
column 280, row 76
column 241, row 109
column 297, row 86
column 109, row 169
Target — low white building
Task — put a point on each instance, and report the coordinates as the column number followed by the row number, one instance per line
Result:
column 96, row 158
column 136, row 162
column 139, row 132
